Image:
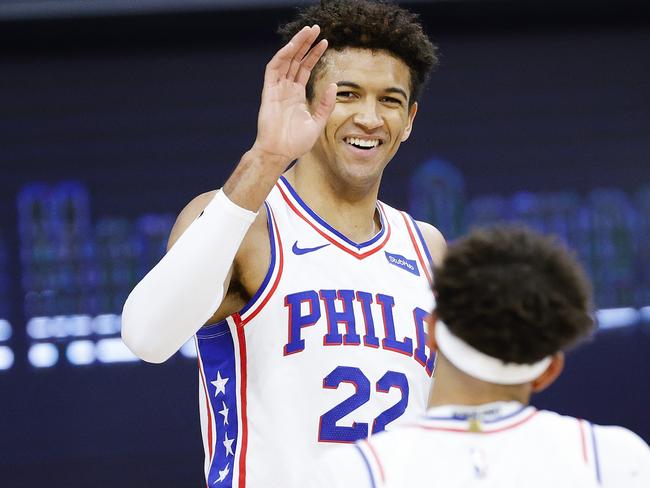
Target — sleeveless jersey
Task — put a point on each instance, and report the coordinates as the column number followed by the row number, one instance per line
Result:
column 331, row 349
column 498, row 445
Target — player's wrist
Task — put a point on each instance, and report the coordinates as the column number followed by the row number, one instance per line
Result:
column 254, row 177
column 266, row 157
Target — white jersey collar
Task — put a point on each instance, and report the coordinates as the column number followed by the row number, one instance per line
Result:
column 486, row 411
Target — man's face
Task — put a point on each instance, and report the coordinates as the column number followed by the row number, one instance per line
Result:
column 371, row 117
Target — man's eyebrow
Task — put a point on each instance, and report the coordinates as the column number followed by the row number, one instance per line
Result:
column 350, row 84
column 392, row 89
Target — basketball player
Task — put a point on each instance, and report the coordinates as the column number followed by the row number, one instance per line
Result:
column 306, row 295
column 509, row 301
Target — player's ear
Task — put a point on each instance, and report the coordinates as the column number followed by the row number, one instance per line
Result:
column 411, row 116
column 554, row 369
column 431, row 320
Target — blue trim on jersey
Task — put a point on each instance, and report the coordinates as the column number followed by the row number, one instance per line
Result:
column 422, row 241
column 217, row 352
column 596, row 461
column 490, row 421
column 365, row 460
column 213, row 330
column 318, row 219
column 269, row 273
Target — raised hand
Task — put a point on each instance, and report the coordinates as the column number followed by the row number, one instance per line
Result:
column 286, row 127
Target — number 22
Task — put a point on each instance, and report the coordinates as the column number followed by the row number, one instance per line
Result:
column 328, row 431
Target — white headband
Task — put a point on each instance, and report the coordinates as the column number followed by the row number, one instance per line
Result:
column 483, row 367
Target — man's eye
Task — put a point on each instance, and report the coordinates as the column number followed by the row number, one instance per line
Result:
column 345, row 94
column 392, row 100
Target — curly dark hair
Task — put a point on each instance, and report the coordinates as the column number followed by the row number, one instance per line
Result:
column 370, row 25
column 513, row 294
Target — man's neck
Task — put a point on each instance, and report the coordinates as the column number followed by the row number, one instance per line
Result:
column 453, row 387
column 350, row 210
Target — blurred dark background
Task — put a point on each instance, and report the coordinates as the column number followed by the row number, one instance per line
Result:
column 114, row 114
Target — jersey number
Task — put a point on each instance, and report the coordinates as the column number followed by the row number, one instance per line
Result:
column 330, row 432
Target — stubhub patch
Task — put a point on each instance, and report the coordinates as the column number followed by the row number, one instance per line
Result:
column 401, row 262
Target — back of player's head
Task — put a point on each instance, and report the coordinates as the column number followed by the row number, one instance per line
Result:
column 371, row 25
column 513, row 294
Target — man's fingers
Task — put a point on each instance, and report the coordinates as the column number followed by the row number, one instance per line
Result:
column 314, row 55
column 281, row 64
column 308, row 63
column 302, row 51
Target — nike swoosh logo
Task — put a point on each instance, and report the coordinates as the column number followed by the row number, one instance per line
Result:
column 304, row 250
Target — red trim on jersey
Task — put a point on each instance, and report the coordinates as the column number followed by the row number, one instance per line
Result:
column 331, row 239
column 251, row 315
column 583, row 440
column 425, row 265
column 377, row 461
column 455, row 429
column 208, row 407
column 244, row 419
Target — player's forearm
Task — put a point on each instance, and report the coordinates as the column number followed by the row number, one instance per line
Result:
column 187, row 286
column 254, row 177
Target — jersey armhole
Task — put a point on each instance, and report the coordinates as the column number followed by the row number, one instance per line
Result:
column 272, row 277
column 420, row 245
column 423, row 242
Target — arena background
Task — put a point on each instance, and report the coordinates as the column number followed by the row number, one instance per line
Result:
column 114, row 114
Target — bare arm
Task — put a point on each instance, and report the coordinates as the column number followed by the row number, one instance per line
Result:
column 213, row 232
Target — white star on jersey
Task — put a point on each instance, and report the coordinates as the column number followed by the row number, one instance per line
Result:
column 220, row 384
column 228, row 445
column 224, row 412
column 223, row 474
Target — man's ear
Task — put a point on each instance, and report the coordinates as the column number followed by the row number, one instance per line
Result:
column 412, row 111
column 431, row 320
column 554, row 369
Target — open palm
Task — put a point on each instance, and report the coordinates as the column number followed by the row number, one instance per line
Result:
column 287, row 128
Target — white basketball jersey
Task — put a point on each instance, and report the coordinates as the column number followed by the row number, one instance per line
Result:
column 331, row 349
column 498, row 445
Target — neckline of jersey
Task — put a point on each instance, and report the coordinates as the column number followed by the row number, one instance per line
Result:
column 327, row 227
column 488, row 413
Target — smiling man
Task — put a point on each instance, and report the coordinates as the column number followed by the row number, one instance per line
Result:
column 307, row 296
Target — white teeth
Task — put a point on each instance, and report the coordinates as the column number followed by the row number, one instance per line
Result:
column 362, row 142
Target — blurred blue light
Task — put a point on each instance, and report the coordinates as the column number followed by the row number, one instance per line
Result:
column 5, row 330
column 113, row 351
column 609, row 318
column 6, row 358
column 43, row 355
column 37, row 328
column 57, row 326
column 80, row 352
column 189, row 349
column 106, row 324
column 62, row 326
column 77, row 325
column 645, row 314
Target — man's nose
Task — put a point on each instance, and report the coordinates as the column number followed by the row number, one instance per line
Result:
column 367, row 117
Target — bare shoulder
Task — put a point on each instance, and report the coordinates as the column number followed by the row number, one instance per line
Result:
column 435, row 241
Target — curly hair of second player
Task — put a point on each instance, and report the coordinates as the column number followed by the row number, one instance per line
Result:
column 514, row 294
column 369, row 25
